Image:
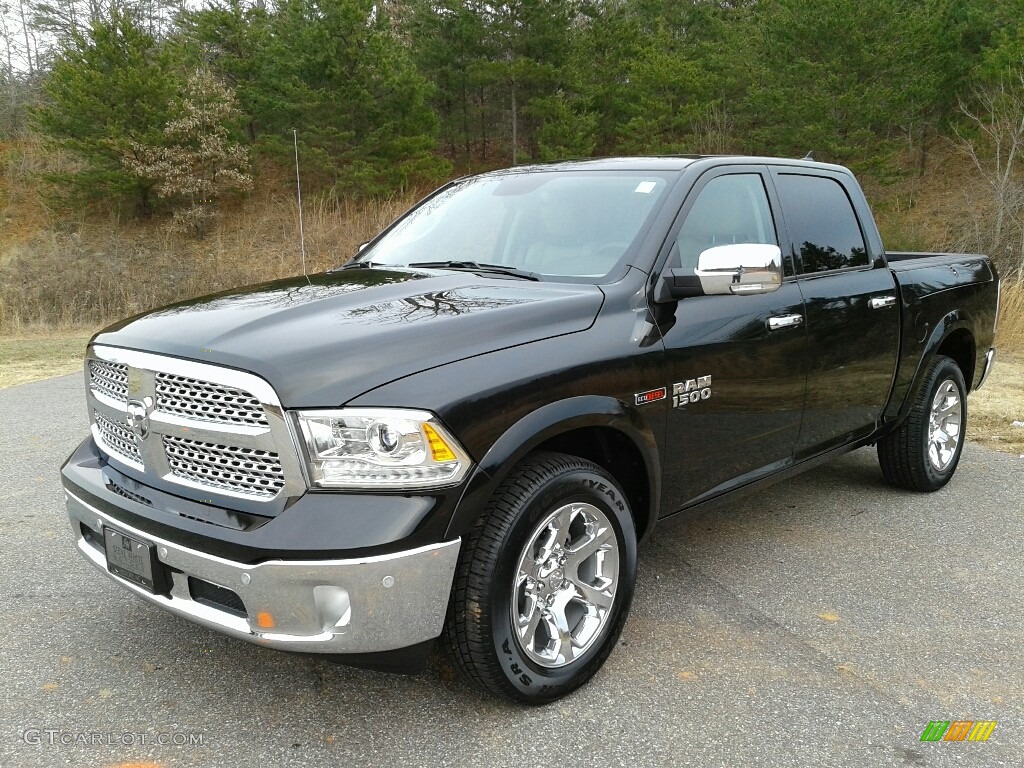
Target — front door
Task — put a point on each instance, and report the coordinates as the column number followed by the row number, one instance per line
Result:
column 737, row 384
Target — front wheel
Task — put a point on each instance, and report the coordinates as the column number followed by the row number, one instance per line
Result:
column 545, row 581
column 923, row 452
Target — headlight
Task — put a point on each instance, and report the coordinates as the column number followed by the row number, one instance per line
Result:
column 379, row 448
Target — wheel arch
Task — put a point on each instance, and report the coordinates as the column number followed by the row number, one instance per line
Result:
column 597, row 428
column 959, row 344
column 953, row 337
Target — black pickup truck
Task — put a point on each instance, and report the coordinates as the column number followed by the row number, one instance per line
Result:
column 465, row 431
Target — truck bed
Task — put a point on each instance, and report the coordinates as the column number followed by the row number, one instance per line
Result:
column 900, row 261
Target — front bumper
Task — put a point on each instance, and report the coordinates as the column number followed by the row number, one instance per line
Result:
column 351, row 606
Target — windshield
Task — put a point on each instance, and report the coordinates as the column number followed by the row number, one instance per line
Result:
column 568, row 224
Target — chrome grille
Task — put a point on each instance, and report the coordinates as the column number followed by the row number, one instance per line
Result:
column 240, row 470
column 205, row 401
column 118, row 439
column 220, row 431
column 110, row 379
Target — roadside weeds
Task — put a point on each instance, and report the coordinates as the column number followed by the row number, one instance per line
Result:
column 995, row 413
column 42, row 355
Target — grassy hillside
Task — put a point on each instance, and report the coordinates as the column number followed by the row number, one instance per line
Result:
column 88, row 268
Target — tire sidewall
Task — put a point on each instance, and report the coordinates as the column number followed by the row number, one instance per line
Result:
column 945, row 370
column 529, row 680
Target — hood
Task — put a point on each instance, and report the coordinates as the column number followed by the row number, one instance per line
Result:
column 324, row 339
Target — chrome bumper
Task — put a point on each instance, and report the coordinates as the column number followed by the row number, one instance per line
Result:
column 362, row 605
column 990, row 359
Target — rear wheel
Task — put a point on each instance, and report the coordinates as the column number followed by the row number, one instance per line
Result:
column 923, row 453
column 545, row 580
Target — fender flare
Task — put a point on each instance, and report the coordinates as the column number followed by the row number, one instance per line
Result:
column 944, row 328
column 541, row 425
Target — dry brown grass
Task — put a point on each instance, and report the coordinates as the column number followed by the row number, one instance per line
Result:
column 73, row 270
column 92, row 273
column 993, row 409
column 40, row 355
column 925, row 212
column 1010, row 330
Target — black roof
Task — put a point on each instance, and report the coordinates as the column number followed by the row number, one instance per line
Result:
column 664, row 163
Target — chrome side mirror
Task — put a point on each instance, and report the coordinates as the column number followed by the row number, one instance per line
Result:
column 741, row 268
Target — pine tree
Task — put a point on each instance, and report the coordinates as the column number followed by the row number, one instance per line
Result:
column 109, row 90
column 335, row 71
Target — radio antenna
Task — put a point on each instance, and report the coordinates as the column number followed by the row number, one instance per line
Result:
column 298, row 187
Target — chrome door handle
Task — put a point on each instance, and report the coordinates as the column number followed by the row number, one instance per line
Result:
column 784, row 321
column 881, row 302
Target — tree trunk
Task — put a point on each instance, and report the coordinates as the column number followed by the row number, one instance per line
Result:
column 28, row 44
column 515, row 124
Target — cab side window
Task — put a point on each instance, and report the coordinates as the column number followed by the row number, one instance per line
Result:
column 821, row 223
column 730, row 209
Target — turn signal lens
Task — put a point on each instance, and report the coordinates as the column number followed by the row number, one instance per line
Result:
column 439, row 449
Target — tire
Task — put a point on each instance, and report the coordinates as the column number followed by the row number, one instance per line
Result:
column 923, row 452
column 511, row 570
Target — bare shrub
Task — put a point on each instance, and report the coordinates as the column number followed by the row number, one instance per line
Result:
column 714, row 132
column 201, row 163
column 995, row 143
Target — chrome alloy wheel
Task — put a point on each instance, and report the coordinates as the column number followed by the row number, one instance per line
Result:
column 945, row 418
column 565, row 584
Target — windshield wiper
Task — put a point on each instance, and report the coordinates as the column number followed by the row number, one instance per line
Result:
column 357, row 265
column 475, row 266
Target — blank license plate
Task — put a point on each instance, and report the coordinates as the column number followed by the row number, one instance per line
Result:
column 129, row 558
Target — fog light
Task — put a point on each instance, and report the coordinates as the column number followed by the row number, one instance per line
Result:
column 333, row 607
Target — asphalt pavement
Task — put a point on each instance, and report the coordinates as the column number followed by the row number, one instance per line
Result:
column 823, row 622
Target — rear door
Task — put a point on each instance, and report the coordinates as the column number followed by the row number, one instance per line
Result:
column 735, row 379
column 850, row 301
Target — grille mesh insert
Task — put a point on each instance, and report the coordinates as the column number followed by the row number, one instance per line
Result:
column 110, row 379
column 118, row 439
column 240, row 470
column 205, row 401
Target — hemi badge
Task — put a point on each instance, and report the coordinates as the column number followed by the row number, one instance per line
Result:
column 650, row 396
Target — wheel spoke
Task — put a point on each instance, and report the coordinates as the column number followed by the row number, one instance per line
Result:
column 561, row 524
column 597, row 540
column 599, row 597
column 560, row 625
column 528, row 626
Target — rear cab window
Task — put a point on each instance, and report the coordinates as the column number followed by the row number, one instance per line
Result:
column 824, row 233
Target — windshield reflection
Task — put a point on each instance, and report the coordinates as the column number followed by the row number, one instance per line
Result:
column 570, row 224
